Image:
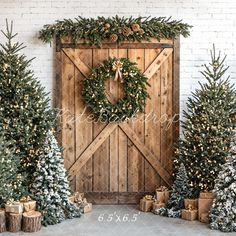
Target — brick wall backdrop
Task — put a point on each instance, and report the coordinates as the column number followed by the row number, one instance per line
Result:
column 214, row 21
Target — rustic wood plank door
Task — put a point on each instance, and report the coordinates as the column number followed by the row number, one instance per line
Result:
column 117, row 163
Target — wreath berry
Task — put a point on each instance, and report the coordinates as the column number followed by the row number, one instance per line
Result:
column 135, row 92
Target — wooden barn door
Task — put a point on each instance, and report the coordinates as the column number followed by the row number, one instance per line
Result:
column 117, row 163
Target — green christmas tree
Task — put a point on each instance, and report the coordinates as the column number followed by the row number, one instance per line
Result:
column 208, row 125
column 50, row 187
column 180, row 191
column 223, row 212
column 25, row 114
column 11, row 186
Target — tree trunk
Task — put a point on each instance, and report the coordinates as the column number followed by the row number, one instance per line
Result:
column 14, row 221
column 2, row 221
column 31, row 221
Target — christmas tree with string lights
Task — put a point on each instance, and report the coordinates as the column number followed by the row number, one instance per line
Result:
column 50, row 186
column 25, row 114
column 11, row 182
column 207, row 127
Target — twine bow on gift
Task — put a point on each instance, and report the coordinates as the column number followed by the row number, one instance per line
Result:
column 162, row 189
column 117, row 67
column 190, row 207
column 25, row 199
column 148, row 197
column 11, row 202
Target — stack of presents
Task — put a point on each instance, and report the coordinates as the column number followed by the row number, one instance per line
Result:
column 195, row 209
column 79, row 200
column 25, row 204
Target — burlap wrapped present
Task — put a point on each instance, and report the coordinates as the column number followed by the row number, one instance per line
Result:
column 79, row 197
column 162, row 194
column 146, row 203
column 192, row 202
column 14, row 207
column 190, row 213
column 28, row 204
column 87, row 207
column 204, row 206
column 209, row 195
column 157, row 205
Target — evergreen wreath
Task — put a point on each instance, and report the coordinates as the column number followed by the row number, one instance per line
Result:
column 115, row 29
column 135, row 92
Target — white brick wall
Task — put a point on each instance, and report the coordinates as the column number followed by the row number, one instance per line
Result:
column 214, row 21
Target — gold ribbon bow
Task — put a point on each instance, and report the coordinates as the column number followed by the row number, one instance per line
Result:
column 12, row 202
column 162, row 189
column 148, row 197
column 190, row 207
column 25, row 199
column 117, row 67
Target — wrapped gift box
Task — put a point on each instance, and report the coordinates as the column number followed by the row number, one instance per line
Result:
column 209, row 195
column 146, row 203
column 204, row 218
column 71, row 199
column 191, row 202
column 204, row 206
column 28, row 204
column 87, row 207
column 162, row 194
column 189, row 214
column 14, row 207
column 79, row 197
column 157, row 205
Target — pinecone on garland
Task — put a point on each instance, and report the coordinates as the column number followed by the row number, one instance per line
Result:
column 113, row 38
column 135, row 27
column 126, row 31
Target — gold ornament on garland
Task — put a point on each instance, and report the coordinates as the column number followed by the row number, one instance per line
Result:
column 135, row 92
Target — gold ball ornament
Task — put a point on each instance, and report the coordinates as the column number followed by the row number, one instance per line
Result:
column 107, row 26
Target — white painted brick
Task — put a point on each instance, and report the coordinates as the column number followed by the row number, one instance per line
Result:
column 214, row 21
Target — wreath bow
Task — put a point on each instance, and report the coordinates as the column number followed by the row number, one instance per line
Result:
column 117, row 67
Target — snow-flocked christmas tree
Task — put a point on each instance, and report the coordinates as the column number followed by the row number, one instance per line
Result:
column 50, row 187
column 223, row 212
column 207, row 129
column 11, row 180
column 180, row 190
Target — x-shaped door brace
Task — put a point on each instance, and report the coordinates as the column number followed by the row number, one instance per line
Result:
column 110, row 127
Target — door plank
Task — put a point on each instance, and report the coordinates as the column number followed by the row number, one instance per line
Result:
column 81, row 66
column 92, row 148
column 152, row 123
column 84, row 127
column 123, row 141
column 68, row 103
column 101, row 156
column 135, row 158
column 151, row 70
column 113, row 88
column 151, row 158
